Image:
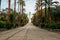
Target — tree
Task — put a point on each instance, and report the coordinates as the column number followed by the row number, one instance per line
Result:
column 8, row 16
column 37, row 9
column 56, row 2
column 22, row 3
column 14, row 6
column 18, row 5
column 14, row 12
column 38, row 2
column 49, row 2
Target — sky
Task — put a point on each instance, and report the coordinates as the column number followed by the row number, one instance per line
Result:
column 29, row 5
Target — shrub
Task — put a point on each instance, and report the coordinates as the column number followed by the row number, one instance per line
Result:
column 58, row 25
column 53, row 25
column 23, row 19
column 2, row 24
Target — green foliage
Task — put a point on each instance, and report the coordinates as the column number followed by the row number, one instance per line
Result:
column 53, row 25
column 23, row 19
column 12, row 17
column 4, row 23
column 58, row 25
column 55, row 13
column 42, row 21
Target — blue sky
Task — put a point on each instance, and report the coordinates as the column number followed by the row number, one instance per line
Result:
column 30, row 5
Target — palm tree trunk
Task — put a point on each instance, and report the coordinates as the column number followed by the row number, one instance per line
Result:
column 45, row 14
column 8, row 16
column 18, row 6
column 14, row 6
column 14, row 11
column 41, row 7
column 49, row 16
column 45, row 9
column 22, row 9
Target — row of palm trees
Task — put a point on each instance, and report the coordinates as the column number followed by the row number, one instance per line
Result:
column 47, row 4
column 21, row 3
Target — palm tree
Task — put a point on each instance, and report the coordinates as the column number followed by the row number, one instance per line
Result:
column 18, row 5
column 45, row 6
column 38, row 5
column 49, row 16
column 8, row 17
column 41, row 8
column 22, row 3
column 49, row 2
column 14, row 11
column 0, row 5
column 37, row 9
column 56, row 2
column 15, row 6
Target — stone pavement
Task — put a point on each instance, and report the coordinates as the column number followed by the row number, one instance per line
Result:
column 29, row 32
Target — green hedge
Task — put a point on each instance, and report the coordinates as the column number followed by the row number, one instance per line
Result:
column 4, row 23
column 23, row 19
column 52, row 25
column 42, row 23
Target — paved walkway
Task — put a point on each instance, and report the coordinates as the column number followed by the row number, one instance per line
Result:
column 29, row 32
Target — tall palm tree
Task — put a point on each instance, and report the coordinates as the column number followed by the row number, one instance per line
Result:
column 38, row 4
column 49, row 16
column 45, row 4
column 37, row 9
column 14, row 11
column 18, row 5
column 8, row 17
column 49, row 3
column 14, row 6
column 41, row 8
column 22, row 3
column 0, row 5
